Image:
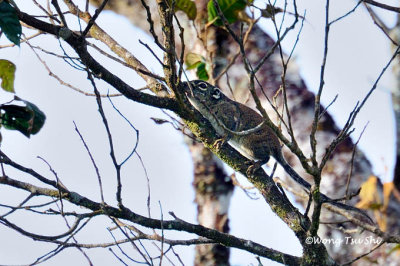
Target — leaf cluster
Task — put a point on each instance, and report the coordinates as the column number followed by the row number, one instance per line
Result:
column 26, row 118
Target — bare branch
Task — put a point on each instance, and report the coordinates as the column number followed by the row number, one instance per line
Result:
column 60, row 13
column 346, row 131
column 384, row 6
column 26, row 39
column 42, row 237
column 93, row 19
column 99, row 34
column 348, row 13
column 365, row 254
column 317, row 104
column 380, row 24
column 347, row 195
column 125, row 64
column 93, row 163
column 19, row 206
column 48, row 12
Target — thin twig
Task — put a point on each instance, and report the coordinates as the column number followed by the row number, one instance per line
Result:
column 148, row 184
column 323, row 112
column 365, row 254
column 144, row 72
column 380, row 24
column 348, row 13
column 72, row 235
column 117, row 243
column 152, row 52
column 346, row 131
column 164, row 254
column 115, row 255
column 5, row 159
column 110, row 140
column 60, row 13
column 162, row 234
column 133, row 127
column 93, row 162
column 177, row 256
column 59, row 184
column 352, row 164
column 31, row 207
column 23, row 40
column 51, row 74
column 132, row 242
column 19, row 206
column 182, row 39
column 48, row 13
column 99, row 34
column 317, row 102
column 11, row 225
column 95, row 16
column 151, row 25
column 285, row 64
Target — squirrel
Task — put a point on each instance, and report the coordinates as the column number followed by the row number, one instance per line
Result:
column 231, row 119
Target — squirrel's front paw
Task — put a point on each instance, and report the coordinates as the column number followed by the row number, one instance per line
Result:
column 218, row 143
column 253, row 168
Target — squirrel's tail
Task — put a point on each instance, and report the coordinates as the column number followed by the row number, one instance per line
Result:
column 290, row 171
column 324, row 199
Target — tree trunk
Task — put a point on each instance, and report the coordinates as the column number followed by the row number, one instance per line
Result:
column 213, row 194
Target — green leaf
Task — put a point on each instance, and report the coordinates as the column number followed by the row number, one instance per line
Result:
column 9, row 22
column 230, row 9
column 186, row 6
column 202, row 71
column 28, row 119
column 7, row 75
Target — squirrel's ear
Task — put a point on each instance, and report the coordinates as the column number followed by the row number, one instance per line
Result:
column 216, row 94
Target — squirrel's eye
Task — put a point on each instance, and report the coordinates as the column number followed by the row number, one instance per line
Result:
column 202, row 86
column 216, row 94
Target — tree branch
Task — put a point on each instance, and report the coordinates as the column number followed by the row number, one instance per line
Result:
column 384, row 6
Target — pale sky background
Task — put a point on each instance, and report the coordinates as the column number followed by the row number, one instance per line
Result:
column 358, row 52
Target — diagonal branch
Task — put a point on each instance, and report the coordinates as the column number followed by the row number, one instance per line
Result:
column 99, row 34
column 384, row 6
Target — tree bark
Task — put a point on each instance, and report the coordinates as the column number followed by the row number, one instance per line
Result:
column 213, row 190
column 395, row 34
